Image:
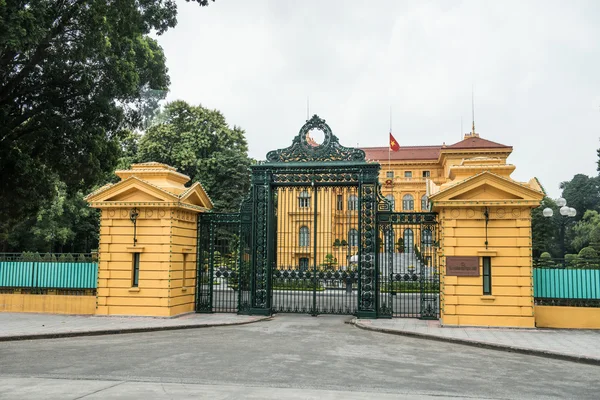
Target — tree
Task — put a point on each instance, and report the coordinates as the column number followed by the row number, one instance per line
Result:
column 587, row 231
column 545, row 231
column 72, row 75
column 199, row 143
column 582, row 193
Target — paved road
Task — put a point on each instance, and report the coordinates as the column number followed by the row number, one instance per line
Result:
column 292, row 356
column 327, row 301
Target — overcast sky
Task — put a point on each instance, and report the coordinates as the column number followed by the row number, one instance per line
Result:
column 535, row 67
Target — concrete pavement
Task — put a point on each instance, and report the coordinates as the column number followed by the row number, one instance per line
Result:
column 25, row 326
column 566, row 344
column 289, row 356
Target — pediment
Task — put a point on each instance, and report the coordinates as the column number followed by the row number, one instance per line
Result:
column 132, row 189
column 197, row 196
column 487, row 192
column 487, row 186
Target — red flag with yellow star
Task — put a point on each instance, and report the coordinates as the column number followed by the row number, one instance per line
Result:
column 394, row 146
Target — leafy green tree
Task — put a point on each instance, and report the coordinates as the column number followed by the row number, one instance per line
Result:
column 73, row 73
column 545, row 231
column 329, row 262
column 587, row 231
column 582, row 193
column 199, row 143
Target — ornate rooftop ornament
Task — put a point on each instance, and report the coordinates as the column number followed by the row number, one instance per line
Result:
column 305, row 148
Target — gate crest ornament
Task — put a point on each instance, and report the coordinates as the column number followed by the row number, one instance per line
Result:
column 303, row 148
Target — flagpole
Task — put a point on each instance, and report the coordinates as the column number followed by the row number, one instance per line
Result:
column 390, row 158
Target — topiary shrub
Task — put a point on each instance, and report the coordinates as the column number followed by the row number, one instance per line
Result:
column 81, row 258
column 69, row 258
column 545, row 260
column 588, row 258
column 588, row 253
column 570, row 260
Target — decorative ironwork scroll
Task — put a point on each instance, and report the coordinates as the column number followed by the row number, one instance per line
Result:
column 304, row 149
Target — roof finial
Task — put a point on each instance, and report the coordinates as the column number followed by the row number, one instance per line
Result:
column 473, row 107
column 472, row 133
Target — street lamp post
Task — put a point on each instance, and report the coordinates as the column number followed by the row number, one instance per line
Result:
column 566, row 212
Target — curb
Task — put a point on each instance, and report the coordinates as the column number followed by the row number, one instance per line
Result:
column 484, row 345
column 122, row 331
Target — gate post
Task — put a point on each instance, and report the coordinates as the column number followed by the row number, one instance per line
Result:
column 262, row 247
column 368, row 290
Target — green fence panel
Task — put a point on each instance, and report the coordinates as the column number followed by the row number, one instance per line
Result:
column 553, row 283
column 49, row 275
column 16, row 273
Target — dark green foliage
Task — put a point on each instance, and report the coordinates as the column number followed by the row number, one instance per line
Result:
column 545, row 231
column 582, row 193
column 199, row 143
column 329, row 263
column 587, row 231
column 570, row 260
column 588, row 253
column 545, row 260
column 73, row 74
column 31, row 256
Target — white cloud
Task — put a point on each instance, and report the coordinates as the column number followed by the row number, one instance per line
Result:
column 534, row 66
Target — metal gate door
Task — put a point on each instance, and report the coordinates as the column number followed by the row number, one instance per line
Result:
column 316, row 249
column 408, row 265
column 223, row 275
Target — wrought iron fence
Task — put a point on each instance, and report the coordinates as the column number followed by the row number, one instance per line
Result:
column 49, row 271
column 566, row 282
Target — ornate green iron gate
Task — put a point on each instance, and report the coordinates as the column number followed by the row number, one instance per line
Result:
column 408, row 265
column 307, row 240
column 223, row 273
column 316, row 246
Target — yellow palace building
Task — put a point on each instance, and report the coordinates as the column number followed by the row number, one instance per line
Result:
column 332, row 212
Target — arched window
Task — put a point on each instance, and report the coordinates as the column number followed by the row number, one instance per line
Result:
column 304, row 237
column 304, row 199
column 408, row 202
column 427, row 237
column 390, row 197
column 352, row 202
column 424, row 203
column 390, row 238
column 353, row 237
column 409, row 240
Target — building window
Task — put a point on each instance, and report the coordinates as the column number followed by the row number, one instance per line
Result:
column 304, row 237
column 408, row 203
column 389, row 174
column 426, row 174
column 424, row 203
column 390, row 239
column 340, row 202
column 487, row 276
column 408, row 174
column 304, row 199
column 353, row 203
column 392, row 201
column 353, row 237
column 427, row 237
column 136, row 270
column 303, row 264
column 409, row 240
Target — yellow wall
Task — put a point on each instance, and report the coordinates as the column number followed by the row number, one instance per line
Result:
column 163, row 236
column 567, row 317
column 167, row 216
column 509, row 237
column 47, row 303
column 332, row 224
